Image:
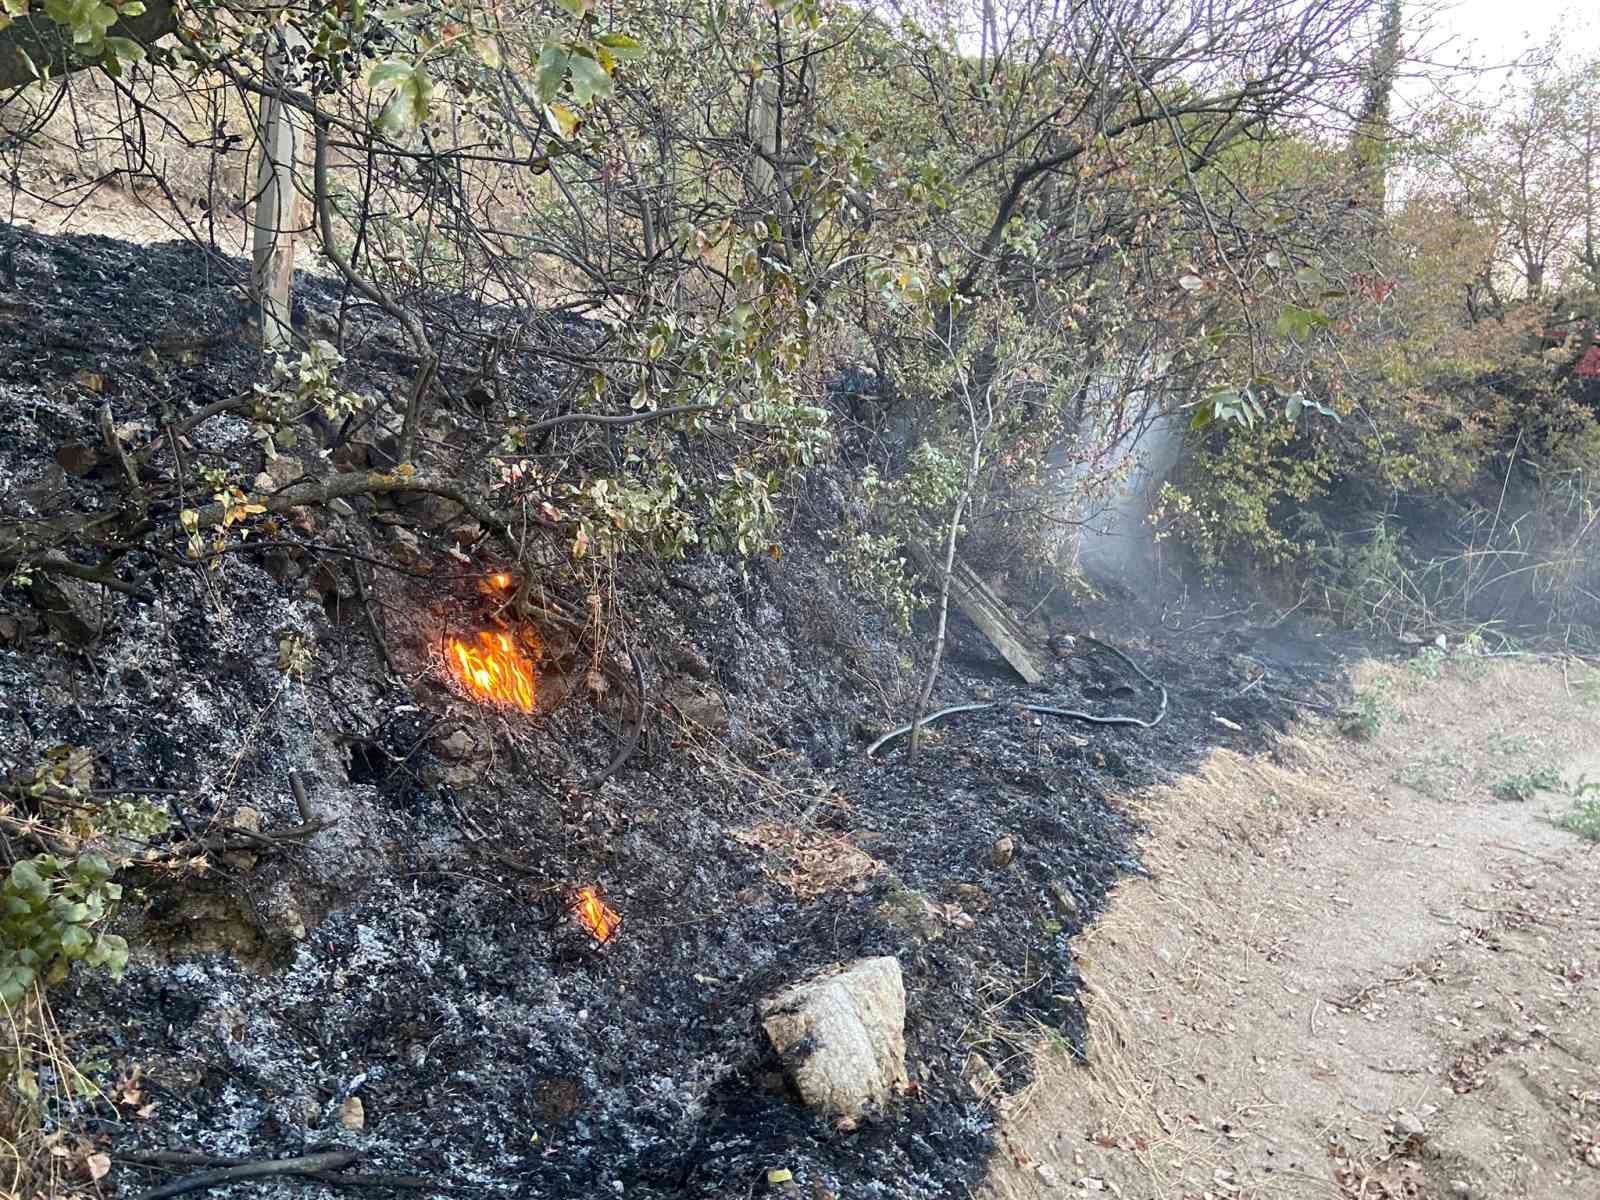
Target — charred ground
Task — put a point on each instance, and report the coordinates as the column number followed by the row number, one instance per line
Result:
column 419, row 953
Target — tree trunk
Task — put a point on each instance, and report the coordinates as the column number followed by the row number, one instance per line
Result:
column 283, row 140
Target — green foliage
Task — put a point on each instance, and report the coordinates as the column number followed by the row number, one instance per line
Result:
column 890, row 514
column 1368, row 712
column 1509, row 744
column 1528, row 784
column 49, row 910
column 1583, row 817
column 137, row 817
column 298, row 384
column 1239, row 495
column 53, row 905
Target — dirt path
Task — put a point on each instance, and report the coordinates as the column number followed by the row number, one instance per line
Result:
column 1358, row 970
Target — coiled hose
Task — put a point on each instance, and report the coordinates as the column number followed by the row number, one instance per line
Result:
column 1045, row 709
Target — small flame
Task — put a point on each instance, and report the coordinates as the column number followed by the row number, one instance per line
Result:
column 500, row 580
column 596, row 916
column 495, row 670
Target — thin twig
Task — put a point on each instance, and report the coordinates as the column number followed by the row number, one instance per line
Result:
column 305, row 1165
column 108, row 434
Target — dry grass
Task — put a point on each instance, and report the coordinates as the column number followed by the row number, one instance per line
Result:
column 809, row 862
column 38, row 1079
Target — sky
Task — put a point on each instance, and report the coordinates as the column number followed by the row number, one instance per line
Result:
column 1494, row 32
column 1494, row 26
column 1487, row 35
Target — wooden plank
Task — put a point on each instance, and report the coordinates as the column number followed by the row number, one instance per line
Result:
column 985, row 610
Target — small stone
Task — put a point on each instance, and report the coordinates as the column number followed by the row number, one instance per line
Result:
column 458, row 745
column 263, row 483
column 1460, row 1187
column 1003, row 851
column 1065, row 904
column 698, row 703
column 282, row 471
column 970, row 896
column 247, row 818
column 352, row 1115
column 1408, row 1124
column 342, row 506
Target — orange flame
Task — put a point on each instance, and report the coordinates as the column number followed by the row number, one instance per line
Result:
column 495, row 670
column 596, row 916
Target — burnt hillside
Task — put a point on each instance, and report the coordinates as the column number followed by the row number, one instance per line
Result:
column 352, row 880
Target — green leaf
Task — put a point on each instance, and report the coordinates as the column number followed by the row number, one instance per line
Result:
column 388, row 74
column 113, row 953
column 623, row 48
column 589, row 79
column 397, row 114
column 133, row 8
column 552, row 71
column 26, row 880
column 1296, row 322
column 420, row 94
column 1292, row 407
column 75, row 941
column 124, row 50
column 93, row 868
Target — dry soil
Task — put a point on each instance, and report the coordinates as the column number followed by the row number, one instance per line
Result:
column 1356, row 970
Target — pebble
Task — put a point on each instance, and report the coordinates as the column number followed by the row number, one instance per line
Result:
column 1003, row 851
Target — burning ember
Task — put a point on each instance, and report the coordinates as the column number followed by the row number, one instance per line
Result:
column 495, row 670
column 595, row 915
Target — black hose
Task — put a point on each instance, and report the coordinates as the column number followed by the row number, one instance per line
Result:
column 1047, row 710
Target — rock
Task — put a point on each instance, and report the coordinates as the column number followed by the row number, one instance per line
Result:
column 262, row 483
column 72, row 608
column 404, row 546
column 458, row 745
column 433, row 512
column 1408, row 1124
column 353, row 1114
column 841, row 1035
column 1003, row 851
column 698, row 703
column 907, row 909
column 1065, row 904
column 970, row 896
column 282, row 470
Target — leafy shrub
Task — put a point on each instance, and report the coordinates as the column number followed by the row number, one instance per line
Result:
column 1583, row 818
column 1368, row 713
column 889, row 515
column 1528, row 784
column 49, row 910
